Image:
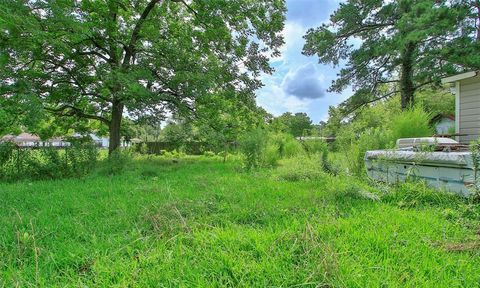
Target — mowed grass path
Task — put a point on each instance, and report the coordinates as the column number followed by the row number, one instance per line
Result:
column 199, row 223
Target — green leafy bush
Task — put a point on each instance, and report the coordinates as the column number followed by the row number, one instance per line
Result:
column 174, row 154
column 253, row 146
column 6, row 151
column 142, row 148
column 371, row 139
column 81, row 158
column 46, row 162
column 385, row 128
column 315, row 146
column 287, row 146
column 264, row 149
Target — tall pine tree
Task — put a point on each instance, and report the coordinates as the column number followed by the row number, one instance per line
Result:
column 392, row 47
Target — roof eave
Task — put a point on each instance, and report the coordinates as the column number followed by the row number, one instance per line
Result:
column 459, row 77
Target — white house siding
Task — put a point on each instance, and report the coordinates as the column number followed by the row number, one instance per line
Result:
column 469, row 109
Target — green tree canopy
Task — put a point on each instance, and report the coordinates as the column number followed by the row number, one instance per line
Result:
column 394, row 47
column 101, row 59
column 298, row 124
column 223, row 124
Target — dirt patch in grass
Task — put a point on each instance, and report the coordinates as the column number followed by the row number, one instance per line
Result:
column 460, row 247
column 177, row 217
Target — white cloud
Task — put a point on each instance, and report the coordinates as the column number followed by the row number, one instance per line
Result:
column 276, row 101
column 304, row 82
column 298, row 80
column 293, row 35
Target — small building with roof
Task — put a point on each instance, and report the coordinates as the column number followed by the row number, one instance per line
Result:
column 466, row 87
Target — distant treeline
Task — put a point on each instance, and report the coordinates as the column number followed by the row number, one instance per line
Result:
column 188, row 147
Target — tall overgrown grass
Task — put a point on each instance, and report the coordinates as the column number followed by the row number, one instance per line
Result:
column 262, row 148
column 410, row 123
column 365, row 134
column 373, row 129
column 46, row 162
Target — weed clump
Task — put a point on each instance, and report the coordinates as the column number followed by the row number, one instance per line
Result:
column 301, row 169
column 116, row 163
column 418, row 194
column 45, row 163
column 263, row 149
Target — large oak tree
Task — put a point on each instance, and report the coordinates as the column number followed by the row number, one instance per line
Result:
column 103, row 60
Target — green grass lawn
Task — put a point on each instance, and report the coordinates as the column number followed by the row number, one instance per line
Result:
column 199, row 222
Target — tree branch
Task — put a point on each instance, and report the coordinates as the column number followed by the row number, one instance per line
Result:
column 130, row 49
column 188, row 6
column 423, row 84
column 94, row 53
column 370, row 101
column 74, row 111
column 364, row 28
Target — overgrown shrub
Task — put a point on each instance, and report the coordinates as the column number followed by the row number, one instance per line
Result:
column 174, row 154
column 6, row 151
column 253, row 146
column 142, row 148
column 46, row 162
column 116, row 163
column 357, row 137
column 264, row 149
column 371, row 139
column 320, row 147
column 414, row 122
column 271, row 155
column 287, row 146
column 81, row 158
column 315, row 146
column 209, row 154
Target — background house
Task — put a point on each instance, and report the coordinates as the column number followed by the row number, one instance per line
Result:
column 467, row 105
column 443, row 124
column 29, row 140
column 24, row 139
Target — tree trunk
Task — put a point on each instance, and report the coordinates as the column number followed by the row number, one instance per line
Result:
column 115, row 137
column 407, row 87
column 478, row 20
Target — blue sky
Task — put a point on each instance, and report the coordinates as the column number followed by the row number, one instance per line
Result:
column 299, row 83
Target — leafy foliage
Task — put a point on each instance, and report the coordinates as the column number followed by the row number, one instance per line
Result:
column 47, row 162
column 414, row 122
column 400, row 50
column 262, row 148
column 254, row 147
column 376, row 127
column 298, row 124
column 96, row 59
column 116, row 164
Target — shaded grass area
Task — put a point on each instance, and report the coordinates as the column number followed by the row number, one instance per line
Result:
column 199, row 222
